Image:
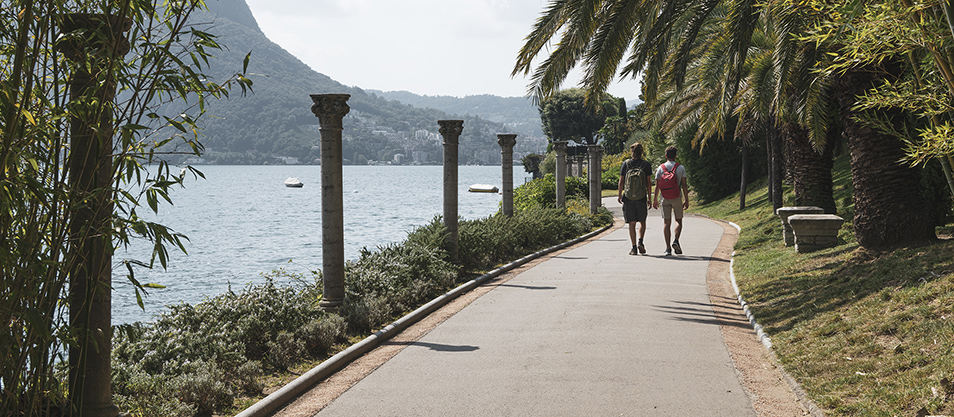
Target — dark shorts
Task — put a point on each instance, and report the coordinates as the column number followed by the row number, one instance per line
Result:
column 634, row 211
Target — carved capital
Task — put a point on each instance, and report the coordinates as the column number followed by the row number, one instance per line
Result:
column 560, row 147
column 594, row 149
column 507, row 141
column 330, row 109
column 450, row 129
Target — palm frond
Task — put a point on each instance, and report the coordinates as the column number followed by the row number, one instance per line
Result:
column 612, row 40
column 544, row 30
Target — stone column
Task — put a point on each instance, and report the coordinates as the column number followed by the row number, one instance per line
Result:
column 594, row 177
column 560, row 149
column 506, row 142
column 450, row 130
column 579, row 166
column 569, row 164
column 331, row 109
column 94, row 41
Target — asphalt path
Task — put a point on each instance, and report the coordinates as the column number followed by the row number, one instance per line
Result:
column 591, row 331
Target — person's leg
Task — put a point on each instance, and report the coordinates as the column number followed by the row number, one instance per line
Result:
column 630, row 216
column 667, row 234
column 632, row 232
column 667, row 224
column 677, row 214
column 642, row 210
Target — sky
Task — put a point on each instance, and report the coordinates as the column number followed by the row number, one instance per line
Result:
column 427, row 47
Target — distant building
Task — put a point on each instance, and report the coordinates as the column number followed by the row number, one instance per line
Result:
column 399, row 159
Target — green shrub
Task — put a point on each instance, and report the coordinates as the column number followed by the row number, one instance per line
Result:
column 609, row 179
column 285, row 350
column 487, row 243
column 194, row 359
column 205, row 350
column 541, row 192
column 320, row 334
column 204, row 387
column 715, row 171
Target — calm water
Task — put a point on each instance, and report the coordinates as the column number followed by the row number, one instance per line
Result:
column 242, row 221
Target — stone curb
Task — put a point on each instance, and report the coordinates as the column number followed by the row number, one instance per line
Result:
column 308, row 380
column 767, row 342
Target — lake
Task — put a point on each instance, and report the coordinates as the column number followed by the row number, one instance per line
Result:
column 242, row 222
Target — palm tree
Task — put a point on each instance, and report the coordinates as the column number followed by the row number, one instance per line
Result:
column 599, row 34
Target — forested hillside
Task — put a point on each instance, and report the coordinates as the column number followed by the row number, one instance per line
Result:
column 275, row 124
column 517, row 113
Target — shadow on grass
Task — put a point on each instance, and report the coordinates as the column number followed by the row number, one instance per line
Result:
column 822, row 283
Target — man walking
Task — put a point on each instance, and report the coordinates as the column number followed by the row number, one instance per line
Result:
column 635, row 187
column 672, row 184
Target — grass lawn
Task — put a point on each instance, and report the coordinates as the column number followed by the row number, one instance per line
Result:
column 864, row 333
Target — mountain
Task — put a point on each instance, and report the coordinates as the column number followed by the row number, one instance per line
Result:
column 517, row 113
column 274, row 124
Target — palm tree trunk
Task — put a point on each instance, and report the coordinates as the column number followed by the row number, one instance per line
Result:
column 776, row 164
column 889, row 208
column 811, row 170
column 745, row 180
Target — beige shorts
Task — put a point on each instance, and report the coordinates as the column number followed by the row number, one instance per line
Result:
column 670, row 206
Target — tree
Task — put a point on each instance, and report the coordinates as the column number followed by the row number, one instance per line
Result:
column 531, row 164
column 161, row 92
column 881, row 96
column 662, row 40
column 565, row 116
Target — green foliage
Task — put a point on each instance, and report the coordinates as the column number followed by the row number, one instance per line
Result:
column 548, row 166
column 541, row 192
column 214, row 350
column 566, row 116
column 531, row 164
column 155, row 96
column 196, row 359
column 609, row 176
column 396, row 279
column 715, row 170
column 486, row 243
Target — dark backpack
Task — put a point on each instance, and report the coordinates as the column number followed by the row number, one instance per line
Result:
column 635, row 183
column 667, row 183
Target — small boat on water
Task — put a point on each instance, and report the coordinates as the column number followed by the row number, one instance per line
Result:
column 483, row 188
column 293, row 182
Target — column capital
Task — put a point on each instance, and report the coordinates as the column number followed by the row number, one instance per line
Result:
column 507, row 140
column 330, row 109
column 560, row 146
column 451, row 129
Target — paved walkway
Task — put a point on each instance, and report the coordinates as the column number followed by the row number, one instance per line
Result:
column 592, row 331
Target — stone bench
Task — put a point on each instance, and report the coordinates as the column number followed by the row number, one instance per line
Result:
column 784, row 213
column 815, row 231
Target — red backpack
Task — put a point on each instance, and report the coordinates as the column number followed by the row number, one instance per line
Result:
column 667, row 183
